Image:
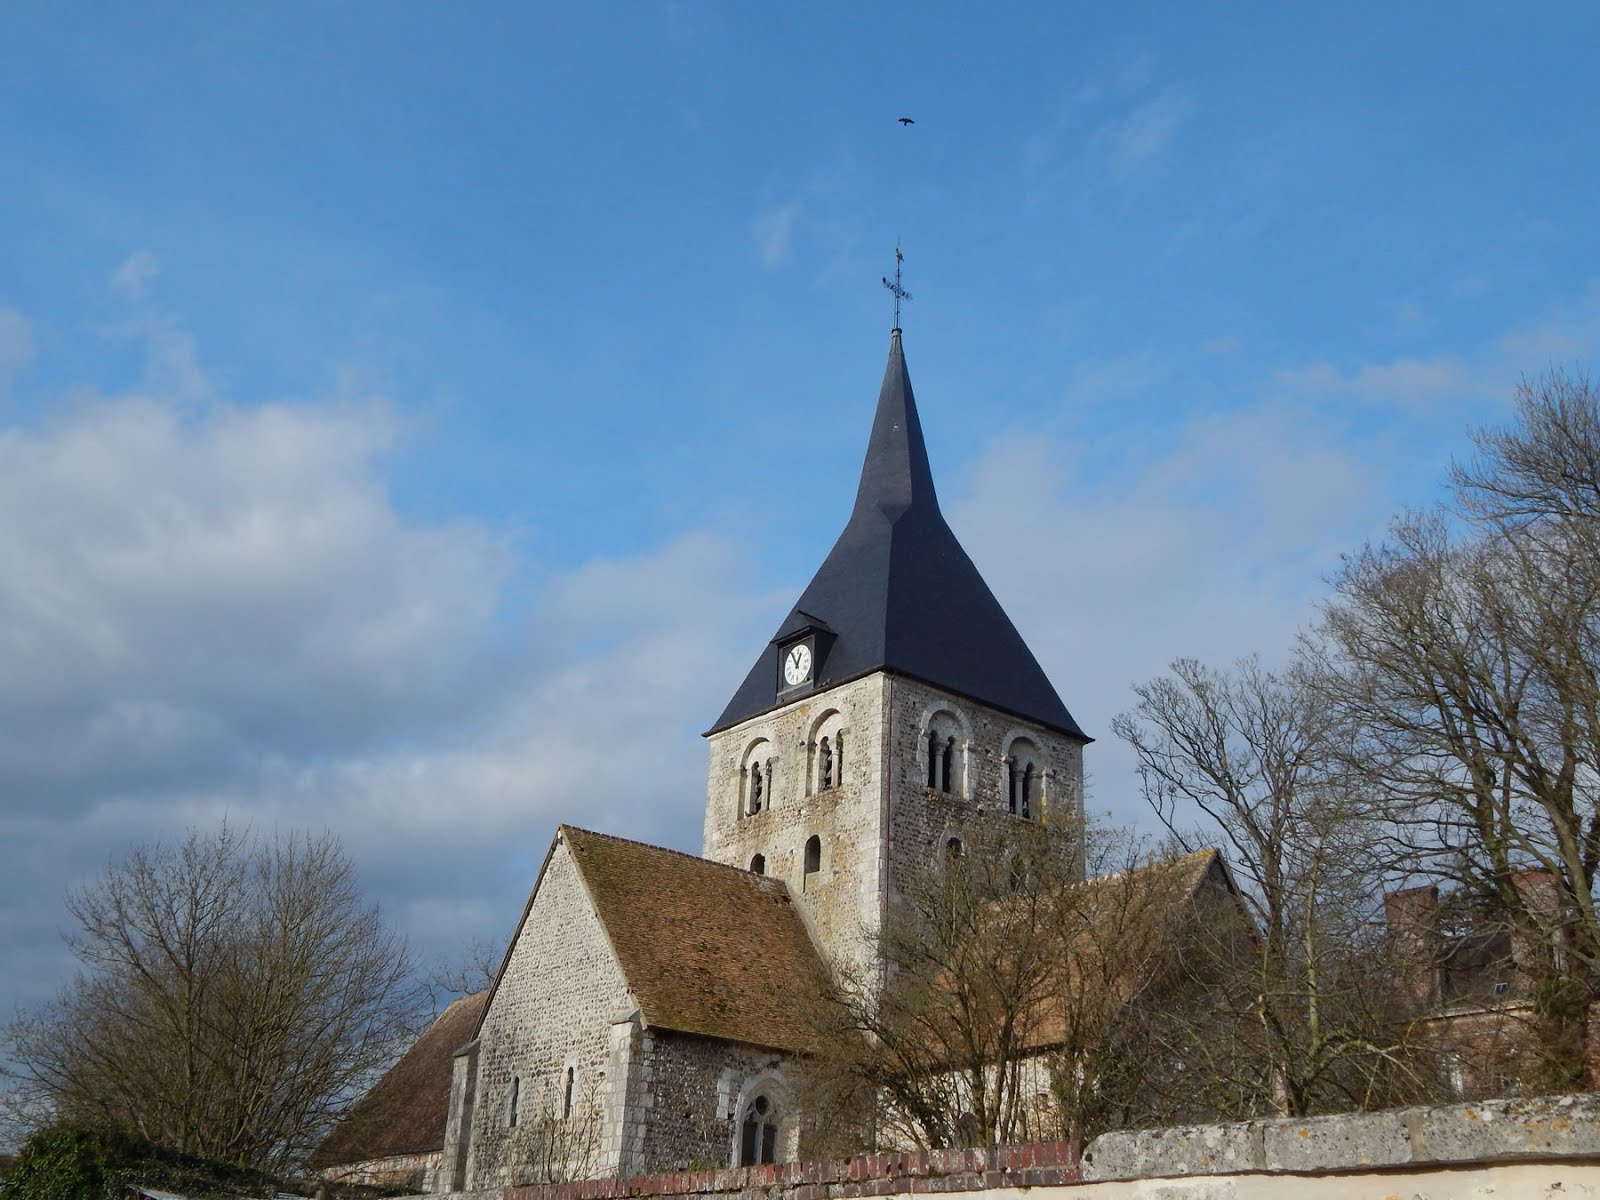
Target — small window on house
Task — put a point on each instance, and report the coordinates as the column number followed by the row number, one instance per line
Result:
column 514, row 1102
column 813, row 862
column 758, row 864
column 566, row 1094
column 953, row 850
column 758, row 1136
column 1501, row 988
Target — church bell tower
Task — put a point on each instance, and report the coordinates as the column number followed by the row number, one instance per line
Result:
column 895, row 710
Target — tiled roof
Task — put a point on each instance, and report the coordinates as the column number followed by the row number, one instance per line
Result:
column 404, row 1113
column 898, row 593
column 706, row 948
column 1131, row 922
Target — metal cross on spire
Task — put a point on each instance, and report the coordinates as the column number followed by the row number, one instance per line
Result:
column 899, row 292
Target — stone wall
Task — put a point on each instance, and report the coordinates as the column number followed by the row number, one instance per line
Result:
column 841, row 900
column 1532, row 1148
column 922, row 820
column 885, row 720
column 556, row 1004
column 697, row 1090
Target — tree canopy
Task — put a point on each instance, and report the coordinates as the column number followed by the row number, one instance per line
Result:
column 235, row 995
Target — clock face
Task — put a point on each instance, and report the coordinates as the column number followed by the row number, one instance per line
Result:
column 797, row 665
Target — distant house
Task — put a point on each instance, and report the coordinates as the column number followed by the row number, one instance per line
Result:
column 394, row 1136
column 1470, row 981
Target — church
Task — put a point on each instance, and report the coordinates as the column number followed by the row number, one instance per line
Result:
column 641, row 1018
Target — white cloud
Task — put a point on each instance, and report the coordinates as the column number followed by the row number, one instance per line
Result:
column 1133, row 141
column 1113, row 562
column 134, row 274
column 774, row 233
column 219, row 613
column 1407, row 382
column 16, row 341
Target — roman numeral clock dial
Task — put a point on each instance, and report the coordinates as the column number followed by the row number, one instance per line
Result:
column 797, row 665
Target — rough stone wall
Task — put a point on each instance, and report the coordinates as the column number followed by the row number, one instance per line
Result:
column 885, row 721
column 561, row 992
column 695, row 1088
column 417, row 1171
column 841, row 901
column 922, row 819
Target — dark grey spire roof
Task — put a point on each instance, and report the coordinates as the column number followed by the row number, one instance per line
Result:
column 898, row 593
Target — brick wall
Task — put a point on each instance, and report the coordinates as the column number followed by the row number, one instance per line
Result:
column 1035, row 1165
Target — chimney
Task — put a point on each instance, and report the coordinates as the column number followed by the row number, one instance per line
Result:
column 1413, row 918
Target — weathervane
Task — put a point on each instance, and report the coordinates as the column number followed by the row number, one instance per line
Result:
column 899, row 292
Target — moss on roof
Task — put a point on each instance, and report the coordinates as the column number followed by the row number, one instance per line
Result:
column 706, row 948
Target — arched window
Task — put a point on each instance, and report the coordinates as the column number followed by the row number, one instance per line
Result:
column 813, row 859
column 756, row 778
column 514, row 1102
column 758, row 864
column 566, row 1095
column 825, row 753
column 758, row 1135
column 953, row 850
column 944, row 745
column 1024, row 778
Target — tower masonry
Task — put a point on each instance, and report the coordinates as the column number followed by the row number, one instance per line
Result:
column 895, row 714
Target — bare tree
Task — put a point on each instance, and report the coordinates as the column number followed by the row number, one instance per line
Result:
column 930, row 1050
column 1250, row 755
column 235, row 996
column 1019, row 1002
column 1464, row 651
column 562, row 1136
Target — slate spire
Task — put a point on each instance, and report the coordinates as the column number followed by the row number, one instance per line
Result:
column 897, row 592
column 896, row 476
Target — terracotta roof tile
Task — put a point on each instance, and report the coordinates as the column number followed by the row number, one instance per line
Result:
column 404, row 1113
column 706, row 948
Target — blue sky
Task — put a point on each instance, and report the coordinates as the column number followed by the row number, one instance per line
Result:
column 414, row 418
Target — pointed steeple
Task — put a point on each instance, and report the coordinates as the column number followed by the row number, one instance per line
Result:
column 897, row 592
column 895, row 476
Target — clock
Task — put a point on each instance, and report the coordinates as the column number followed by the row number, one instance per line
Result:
column 797, row 665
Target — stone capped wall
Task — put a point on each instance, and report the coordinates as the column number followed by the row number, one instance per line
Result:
column 555, row 1006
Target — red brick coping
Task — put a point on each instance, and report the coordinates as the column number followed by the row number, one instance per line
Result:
column 1032, row 1164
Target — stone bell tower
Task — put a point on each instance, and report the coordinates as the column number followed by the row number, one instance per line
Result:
column 895, row 710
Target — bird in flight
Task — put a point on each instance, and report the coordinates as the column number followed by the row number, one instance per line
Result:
column 907, row 121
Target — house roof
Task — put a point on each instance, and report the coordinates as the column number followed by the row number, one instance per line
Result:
column 405, row 1111
column 1127, row 929
column 705, row 948
column 899, row 593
